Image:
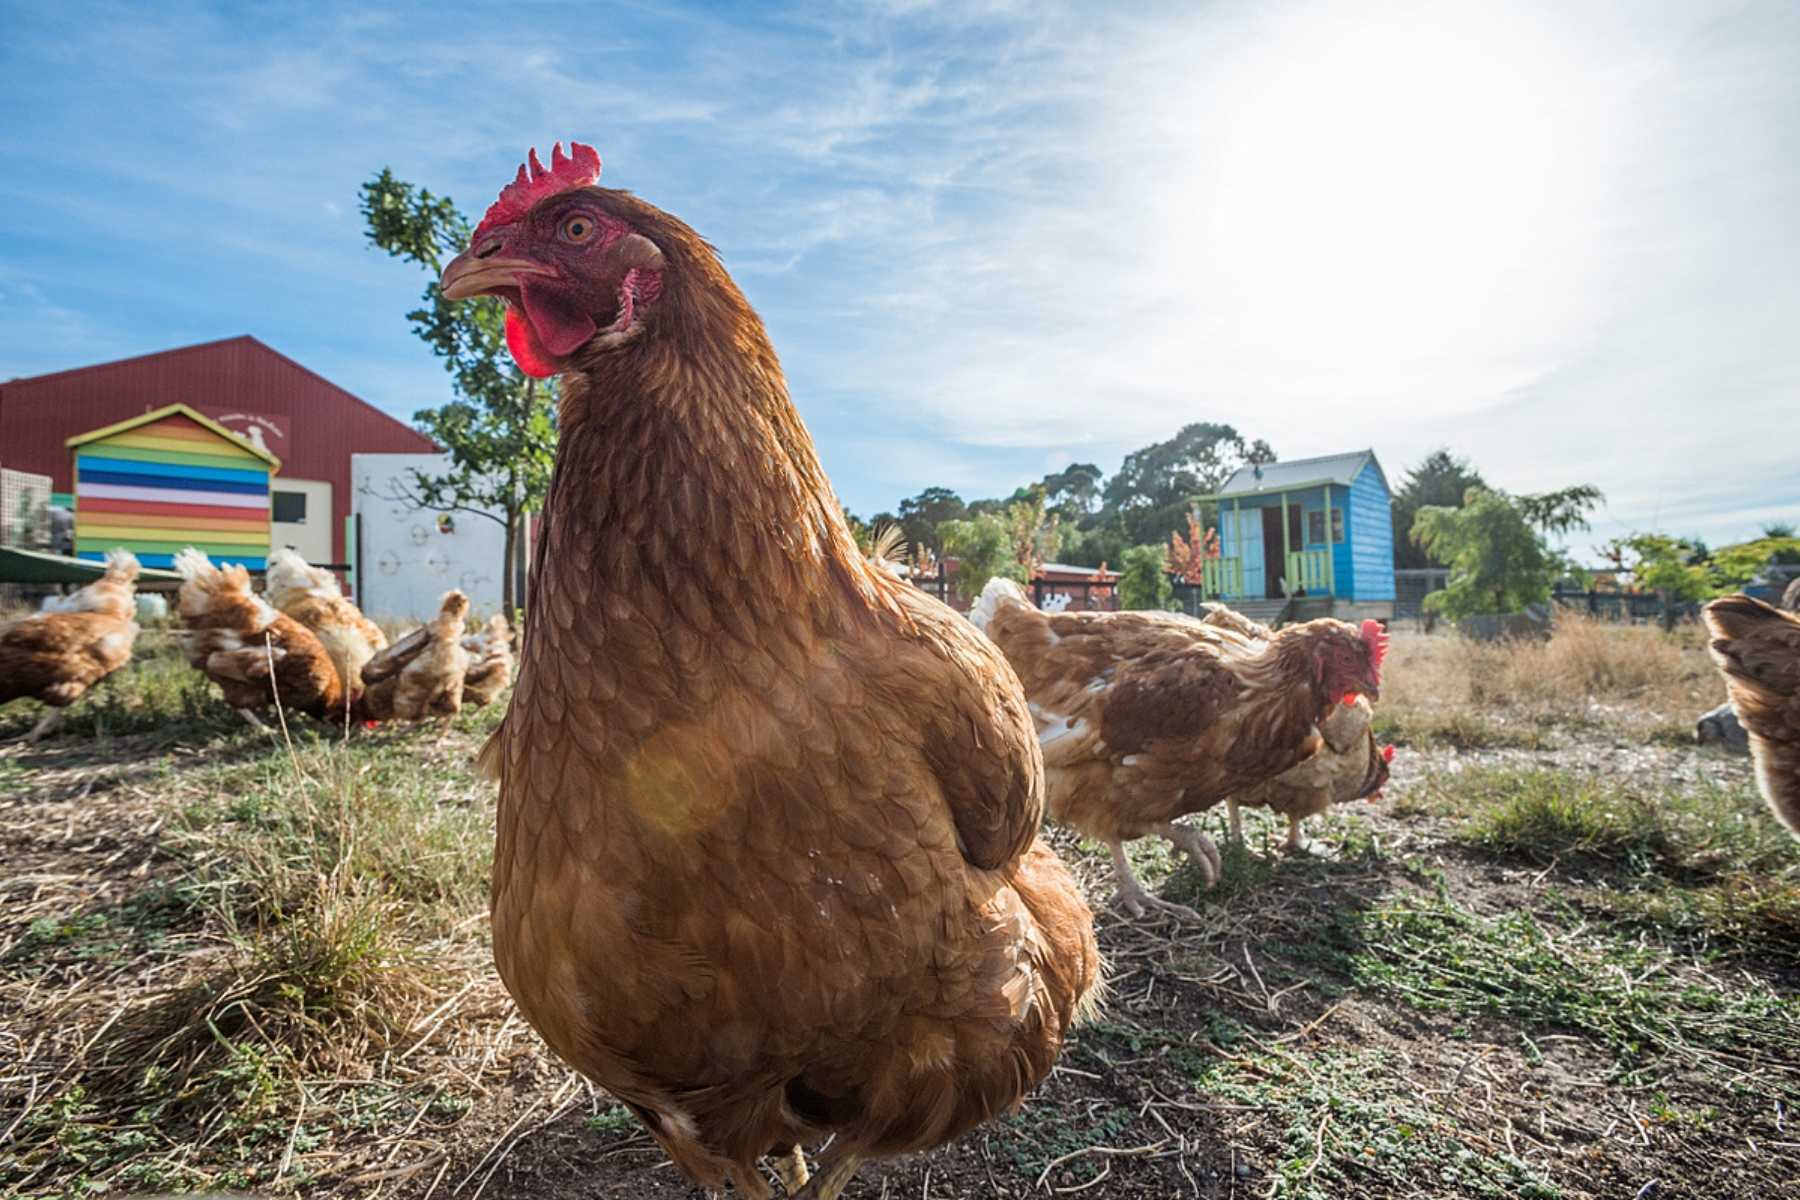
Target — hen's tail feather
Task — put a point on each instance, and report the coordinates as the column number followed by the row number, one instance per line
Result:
column 1757, row 648
column 121, row 563
column 193, row 565
column 999, row 591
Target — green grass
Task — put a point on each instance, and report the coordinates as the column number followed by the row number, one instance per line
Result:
column 1464, row 729
column 1642, row 1003
column 1702, row 864
column 1351, row 1121
column 157, row 692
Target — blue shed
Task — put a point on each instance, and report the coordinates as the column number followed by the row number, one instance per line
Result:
column 1306, row 538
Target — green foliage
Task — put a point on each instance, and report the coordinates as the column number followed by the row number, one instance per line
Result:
column 1670, row 567
column 922, row 515
column 1440, row 480
column 500, row 430
column 983, row 548
column 1735, row 566
column 1144, row 579
column 1498, row 559
column 1072, row 492
column 1152, row 488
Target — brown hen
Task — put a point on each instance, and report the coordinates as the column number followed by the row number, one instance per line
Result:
column 1757, row 648
column 490, row 662
column 767, row 864
column 311, row 596
column 56, row 655
column 257, row 654
column 1145, row 717
column 421, row 675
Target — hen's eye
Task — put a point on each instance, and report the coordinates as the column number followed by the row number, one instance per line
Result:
column 577, row 229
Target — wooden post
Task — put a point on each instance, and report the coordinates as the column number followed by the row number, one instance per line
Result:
column 1237, row 535
column 1287, row 554
column 1330, row 549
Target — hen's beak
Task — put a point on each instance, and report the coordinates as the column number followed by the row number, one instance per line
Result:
column 469, row 275
column 1371, row 686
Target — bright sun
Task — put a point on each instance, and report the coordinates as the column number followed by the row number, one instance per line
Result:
column 1372, row 191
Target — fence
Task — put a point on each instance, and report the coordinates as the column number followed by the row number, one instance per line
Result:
column 1412, row 585
column 1083, row 597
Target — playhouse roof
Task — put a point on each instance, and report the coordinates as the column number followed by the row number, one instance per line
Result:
column 157, row 414
column 1299, row 473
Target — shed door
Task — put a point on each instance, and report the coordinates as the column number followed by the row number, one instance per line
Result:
column 300, row 516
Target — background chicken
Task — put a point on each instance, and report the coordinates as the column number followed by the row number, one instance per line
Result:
column 767, row 865
column 421, row 675
column 312, row 597
column 490, row 662
column 1758, row 649
column 1145, row 717
column 1349, row 765
column 55, row 656
column 253, row 651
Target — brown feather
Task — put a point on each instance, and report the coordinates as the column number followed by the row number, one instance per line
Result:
column 1757, row 647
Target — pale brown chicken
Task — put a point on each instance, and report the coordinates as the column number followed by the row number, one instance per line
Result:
column 422, row 674
column 767, row 864
column 1146, row 717
column 490, row 662
column 1757, row 648
column 56, row 655
column 1349, row 764
column 257, row 654
column 311, row 596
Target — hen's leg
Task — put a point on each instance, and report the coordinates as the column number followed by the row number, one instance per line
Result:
column 1132, row 895
column 1199, row 847
column 50, row 724
column 830, row 1184
column 1237, row 822
column 750, row 1184
column 254, row 721
column 1294, row 844
column 790, row 1168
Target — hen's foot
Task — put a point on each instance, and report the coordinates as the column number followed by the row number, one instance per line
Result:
column 830, row 1184
column 790, row 1168
column 1132, row 896
column 1199, row 847
column 1139, row 903
column 50, row 724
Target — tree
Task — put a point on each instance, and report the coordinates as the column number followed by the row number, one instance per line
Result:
column 1188, row 555
column 1441, row 479
column 1152, row 488
column 1494, row 546
column 1036, row 534
column 500, row 430
column 1668, row 566
column 921, row 515
column 983, row 549
column 1735, row 566
column 1144, row 578
column 1073, row 491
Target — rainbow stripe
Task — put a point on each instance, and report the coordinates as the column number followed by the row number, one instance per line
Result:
column 168, row 481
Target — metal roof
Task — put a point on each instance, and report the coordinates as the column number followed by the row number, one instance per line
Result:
column 1298, row 473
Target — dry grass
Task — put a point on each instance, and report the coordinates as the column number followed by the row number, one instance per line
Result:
column 1590, row 674
column 230, row 962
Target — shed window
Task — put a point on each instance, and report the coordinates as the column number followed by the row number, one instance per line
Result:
column 1315, row 526
column 288, row 507
column 1337, row 524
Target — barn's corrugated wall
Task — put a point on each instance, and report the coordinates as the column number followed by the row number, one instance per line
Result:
column 326, row 423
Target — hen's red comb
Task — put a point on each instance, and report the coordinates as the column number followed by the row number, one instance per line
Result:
column 1387, row 754
column 1377, row 640
column 578, row 168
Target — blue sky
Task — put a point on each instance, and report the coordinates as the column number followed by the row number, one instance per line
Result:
column 989, row 238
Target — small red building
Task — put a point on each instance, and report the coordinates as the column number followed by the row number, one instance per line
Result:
column 312, row 425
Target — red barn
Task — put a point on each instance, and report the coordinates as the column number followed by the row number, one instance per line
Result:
column 312, row 425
